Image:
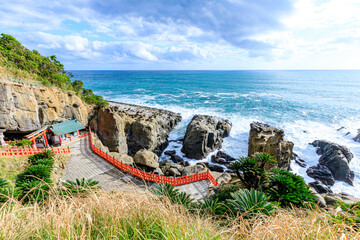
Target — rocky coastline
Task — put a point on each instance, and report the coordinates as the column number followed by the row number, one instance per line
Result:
column 138, row 135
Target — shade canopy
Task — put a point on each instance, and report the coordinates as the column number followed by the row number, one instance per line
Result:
column 66, row 127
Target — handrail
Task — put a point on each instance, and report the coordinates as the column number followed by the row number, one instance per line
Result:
column 150, row 176
column 30, row 151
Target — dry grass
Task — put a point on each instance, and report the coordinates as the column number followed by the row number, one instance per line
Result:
column 296, row 224
column 12, row 72
column 104, row 215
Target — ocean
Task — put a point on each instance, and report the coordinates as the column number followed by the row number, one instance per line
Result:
column 307, row 105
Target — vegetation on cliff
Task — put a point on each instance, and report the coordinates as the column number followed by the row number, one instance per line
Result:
column 18, row 61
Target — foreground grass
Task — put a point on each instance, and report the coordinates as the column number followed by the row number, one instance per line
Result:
column 103, row 215
column 10, row 167
column 134, row 214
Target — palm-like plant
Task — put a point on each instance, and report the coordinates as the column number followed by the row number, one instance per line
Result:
column 80, row 185
column 250, row 202
column 212, row 206
column 251, row 171
column 167, row 190
column 3, row 183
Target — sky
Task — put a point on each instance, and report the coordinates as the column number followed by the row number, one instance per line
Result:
column 189, row 34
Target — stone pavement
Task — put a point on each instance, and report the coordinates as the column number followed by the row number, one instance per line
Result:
column 84, row 163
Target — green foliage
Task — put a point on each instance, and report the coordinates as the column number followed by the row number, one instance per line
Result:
column 350, row 215
column 168, row 191
column 3, row 183
column 212, row 206
column 21, row 143
column 224, row 194
column 48, row 70
column 34, row 159
column 39, row 171
column 289, row 189
column 251, row 202
column 251, row 171
column 79, row 185
column 33, row 190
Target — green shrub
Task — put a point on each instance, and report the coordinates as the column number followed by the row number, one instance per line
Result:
column 212, row 206
column 251, row 171
column 3, row 183
column 41, row 172
column 251, row 202
column 33, row 160
column 33, row 190
column 224, row 193
column 79, row 185
column 23, row 143
column 289, row 189
column 168, row 191
column 47, row 70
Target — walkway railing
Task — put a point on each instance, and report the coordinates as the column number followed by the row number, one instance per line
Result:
column 30, row 151
column 153, row 177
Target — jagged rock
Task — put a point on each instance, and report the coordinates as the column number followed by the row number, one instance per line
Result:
column 322, row 174
column 336, row 158
column 146, row 158
column 165, row 165
column 185, row 163
column 298, row 160
column 264, row 138
column 176, row 159
column 170, row 153
column 225, row 156
column 214, row 167
column 218, row 160
column 123, row 157
column 319, row 198
column 178, row 167
column 203, row 135
column 158, row 171
column 195, row 169
column 357, row 138
column 174, row 172
column 135, row 127
column 332, row 198
column 319, row 187
column 25, row 107
column 110, row 130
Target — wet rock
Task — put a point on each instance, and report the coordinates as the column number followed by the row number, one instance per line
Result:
column 218, row 160
column 322, row 174
column 165, row 165
column 299, row 161
column 319, row 199
column 185, row 163
column 225, row 156
column 174, row 172
column 337, row 158
column 170, row 153
column 146, row 158
column 176, row 159
column 195, row 169
column 357, row 138
column 319, row 187
column 204, row 134
column 216, row 168
column 264, row 138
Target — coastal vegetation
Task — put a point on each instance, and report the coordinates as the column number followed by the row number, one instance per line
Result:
column 81, row 210
column 16, row 61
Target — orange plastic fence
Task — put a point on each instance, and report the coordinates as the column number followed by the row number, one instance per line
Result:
column 30, row 151
column 153, row 177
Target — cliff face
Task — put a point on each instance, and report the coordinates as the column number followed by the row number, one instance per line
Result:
column 25, row 107
column 127, row 128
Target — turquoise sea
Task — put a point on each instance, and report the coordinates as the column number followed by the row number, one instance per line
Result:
column 308, row 105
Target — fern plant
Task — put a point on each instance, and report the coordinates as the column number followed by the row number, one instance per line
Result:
column 167, row 190
column 3, row 183
column 33, row 190
column 251, row 202
column 212, row 206
column 289, row 189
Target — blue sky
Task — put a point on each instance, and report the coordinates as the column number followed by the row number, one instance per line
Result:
column 189, row 34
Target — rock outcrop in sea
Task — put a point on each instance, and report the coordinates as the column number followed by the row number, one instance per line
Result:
column 127, row 128
column 264, row 138
column 204, row 134
column 336, row 158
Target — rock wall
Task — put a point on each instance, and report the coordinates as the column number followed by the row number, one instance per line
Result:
column 264, row 138
column 130, row 128
column 25, row 107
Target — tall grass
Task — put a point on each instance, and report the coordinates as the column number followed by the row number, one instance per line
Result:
column 103, row 215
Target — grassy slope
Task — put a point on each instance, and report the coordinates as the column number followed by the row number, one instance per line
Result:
column 10, row 167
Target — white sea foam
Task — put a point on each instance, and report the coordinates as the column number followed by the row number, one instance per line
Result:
column 301, row 132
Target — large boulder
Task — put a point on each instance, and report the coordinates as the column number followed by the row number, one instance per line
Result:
column 319, row 187
column 129, row 128
column 336, row 158
column 198, row 168
column 322, row 174
column 264, row 138
column 204, row 134
column 146, row 158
